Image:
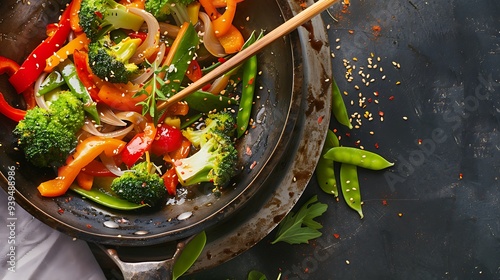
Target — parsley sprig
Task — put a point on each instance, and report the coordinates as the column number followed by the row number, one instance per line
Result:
column 301, row 227
column 153, row 91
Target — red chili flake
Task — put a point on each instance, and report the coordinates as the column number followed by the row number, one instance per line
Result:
column 250, row 82
column 335, row 130
column 320, row 119
column 391, row 97
column 370, row 100
column 347, row 134
column 375, row 93
column 376, row 146
column 60, row 211
column 381, row 113
column 351, row 31
column 248, row 151
column 306, row 270
column 221, row 59
column 336, row 235
column 461, row 176
column 384, row 202
column 419, row 141
column 98, row 14
column 89, row 226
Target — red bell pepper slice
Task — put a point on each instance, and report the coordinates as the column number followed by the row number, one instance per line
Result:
column 141, row 143
column 82, row 70
column 34, row 65
column 9, row 111
column 168, row 139
column 170, row 180
column 194, row 71
column 97, row 169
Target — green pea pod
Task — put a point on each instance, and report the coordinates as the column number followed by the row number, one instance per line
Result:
column 325, row 173
column 204, row 102
column 358, row 157
column 339, row 109
column 68, row 71
column 189, row 255
column 247, row 93
column 349, row 184
column 105, row 199
column 51, row 82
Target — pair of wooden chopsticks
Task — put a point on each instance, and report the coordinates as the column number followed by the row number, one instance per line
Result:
column 237, row 59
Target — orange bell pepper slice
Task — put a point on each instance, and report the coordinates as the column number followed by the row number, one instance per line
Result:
column 86, row 152
column 223, row 23
column 85, row 180
column 119, row 99
column 74, row 18
column 78, row 43
column 232, row 41
column 222, row 3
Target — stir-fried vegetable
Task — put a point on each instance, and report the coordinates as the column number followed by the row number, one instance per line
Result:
column 99, row 80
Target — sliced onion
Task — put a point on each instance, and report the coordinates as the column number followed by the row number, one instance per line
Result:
column 111, row 165
column 210, row 41
column 108, row 116
column 120, row 133
column 219, row 84
column 133, row 117
column 142, row 78
column 152, row 38
column 40, row 99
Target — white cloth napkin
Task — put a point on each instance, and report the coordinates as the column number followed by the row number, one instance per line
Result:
column 40, row 251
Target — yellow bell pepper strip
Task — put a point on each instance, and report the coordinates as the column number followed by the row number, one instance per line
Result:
column 34, row 65
column 74, row 18
column 86, row 152
column 223, row 23
column 232, row 41
column 192, row 10
column 78, row 43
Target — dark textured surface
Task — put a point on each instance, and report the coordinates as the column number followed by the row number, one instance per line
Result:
column 421, row 220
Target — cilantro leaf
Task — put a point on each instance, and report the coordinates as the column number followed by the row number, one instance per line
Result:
column 301, row 227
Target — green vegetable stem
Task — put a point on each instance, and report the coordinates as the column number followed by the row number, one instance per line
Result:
column 358, row 157
column 325, row 173
column 349, row 184
column 105, row 199
column 51, row 82
column 338, row 106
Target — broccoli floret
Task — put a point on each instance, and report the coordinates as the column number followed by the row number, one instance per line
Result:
column 110, row 61
column 161, row 9
column 141, row 185
column 97, row 17
column 215, row 162
column 48, row 136
column 223, row 122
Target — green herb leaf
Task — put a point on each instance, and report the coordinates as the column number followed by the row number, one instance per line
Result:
column 189, row 255
column 301, row 227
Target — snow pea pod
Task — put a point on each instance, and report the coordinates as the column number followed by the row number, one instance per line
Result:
column 51, row 82
column 68, row 71
column 349, row 184
column 338, row 106
column 105, row 199
column 325, row 173
column 358, row 157
column 203, row 101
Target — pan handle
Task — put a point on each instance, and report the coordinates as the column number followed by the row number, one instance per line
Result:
column 150, row 270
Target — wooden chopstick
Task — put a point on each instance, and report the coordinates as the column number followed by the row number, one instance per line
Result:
column 237, row 59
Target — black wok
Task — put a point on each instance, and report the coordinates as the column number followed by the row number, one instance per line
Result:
column 292, row 116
